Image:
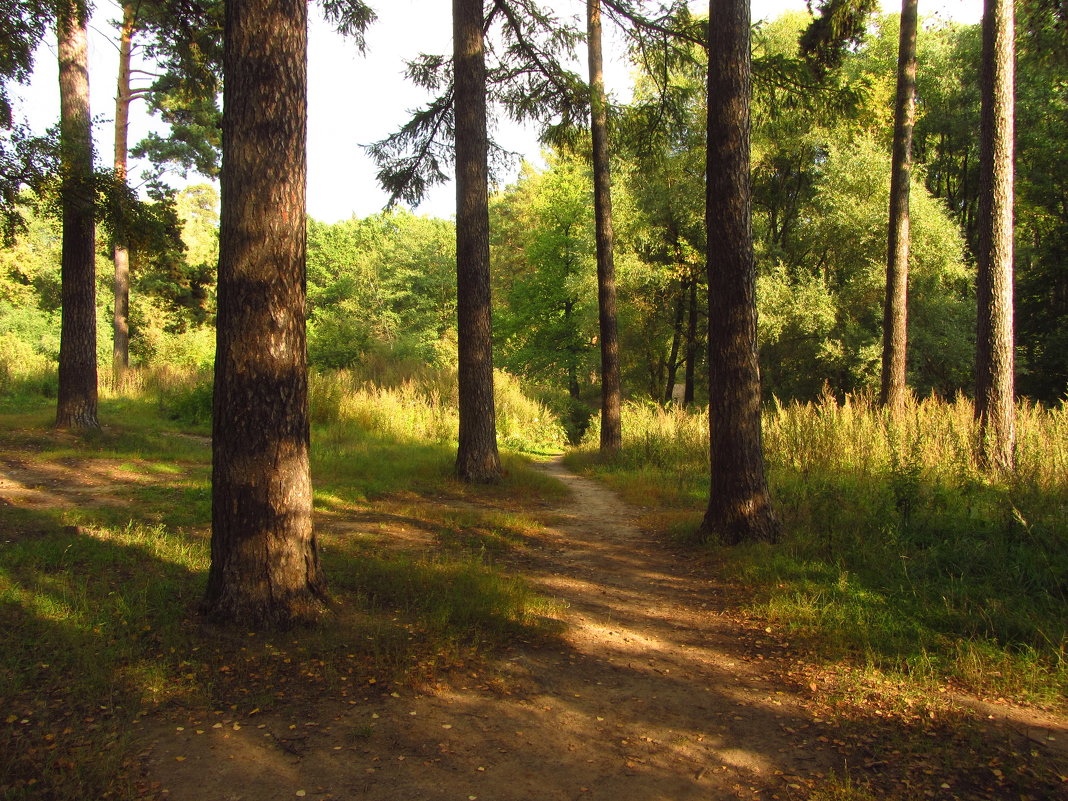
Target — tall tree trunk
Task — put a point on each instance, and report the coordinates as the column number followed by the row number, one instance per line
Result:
column 994, row 390
column 611, row 427
column 77, row 401
column 264, row 562
column 477, row 459
column 120, row 253
column 739, row 506
column 894, row 389
column 691, row 345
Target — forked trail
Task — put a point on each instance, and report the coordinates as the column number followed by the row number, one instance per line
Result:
column 658, row 691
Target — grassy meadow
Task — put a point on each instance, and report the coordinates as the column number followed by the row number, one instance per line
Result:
column 105, row 550
column 898, row 550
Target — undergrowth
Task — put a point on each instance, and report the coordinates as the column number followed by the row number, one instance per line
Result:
column 898, row 549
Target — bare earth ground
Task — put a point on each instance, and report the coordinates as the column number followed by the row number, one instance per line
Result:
column 658, row 690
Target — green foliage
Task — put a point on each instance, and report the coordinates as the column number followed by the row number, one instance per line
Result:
column 841, row 24
column 527, row 73
column 544, row 273
column 945, row 139
column 383, row 285
column 898, row 549
column 821, row 318
column 174, row 256
column 172, row 299
column 29, row 265
column 661, row 168
column 185, row 42
column 1042, row 214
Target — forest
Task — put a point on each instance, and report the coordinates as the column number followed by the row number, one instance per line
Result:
column 722, row 452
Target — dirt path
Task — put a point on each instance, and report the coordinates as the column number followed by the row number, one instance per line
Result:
column 658, row 692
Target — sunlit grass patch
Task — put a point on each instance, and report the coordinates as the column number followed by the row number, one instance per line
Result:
column 423, row 408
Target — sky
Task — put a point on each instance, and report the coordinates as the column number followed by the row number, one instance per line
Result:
column 355, row 99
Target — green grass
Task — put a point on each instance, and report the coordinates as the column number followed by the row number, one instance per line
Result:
column 99, row 591
column 899, row 551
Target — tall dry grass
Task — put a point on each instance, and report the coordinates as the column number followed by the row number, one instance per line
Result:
column 423, row 407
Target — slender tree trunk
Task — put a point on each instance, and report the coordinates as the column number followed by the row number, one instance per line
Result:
column 691, row 345
column 573, row 388
column 477, row 459
column 77, row 401
column 739, row 505
column 894, row 389
column 611, row 427
column 120, row 253
column 676, row 343
column 994, row 391
column 264, row 562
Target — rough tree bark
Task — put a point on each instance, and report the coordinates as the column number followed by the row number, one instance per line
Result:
column 739, row 506
column 611, row 426
column 77, row 397
column 477, row 459
column 265, row 567
column 894, row 389
column 120, row 253
column 994, row 385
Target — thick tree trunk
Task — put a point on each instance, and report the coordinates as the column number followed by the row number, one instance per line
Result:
column 611, row 427
column 894, row 389
column 77, row 401
column 477, row 459
column 739, row 506
column 994, row 390
column 264, row 563
column 120, row 253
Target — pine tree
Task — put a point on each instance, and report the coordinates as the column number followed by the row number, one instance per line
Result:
column 994, row 390
column 739, row 506
column 265, row 567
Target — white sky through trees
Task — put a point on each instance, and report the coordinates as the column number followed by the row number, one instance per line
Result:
column 354, row 98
